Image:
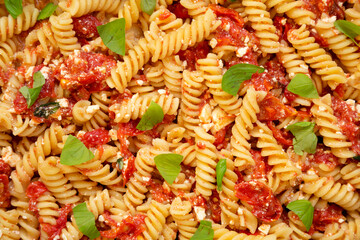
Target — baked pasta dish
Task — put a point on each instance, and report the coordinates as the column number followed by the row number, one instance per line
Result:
column 180, row 119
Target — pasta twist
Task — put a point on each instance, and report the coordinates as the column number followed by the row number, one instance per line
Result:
column 332, row 136
column 71, row 231
column 225, row 234
column 292, row 61
column 78, row 8
column 25, row 128
column 44, row 36
column 82, row 112
column 8, row 224
column 5, row 140
column 165, row 24
column 63, row 33
column 299, row 229
column 155, row 220
column 48, row 208
column 194, row 8
column 281, row 230
column 316, row 57
column 188, row 152
column 354, row 226
column 172, row 74
column 351, row 174
column 101, row 117
column 181, row 212
column 7, row 51
column 130, row 10
column 83, row 185
column 261, row 22
column 99, row 203
column 206, row 160
column 154, row 74
column 10, row 26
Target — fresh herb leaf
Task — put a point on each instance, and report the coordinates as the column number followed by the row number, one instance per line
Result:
column 46, row 110
column 349, row 29
column 153, row 115
column 302, row 85
column 47, row 11
column 305, row 138
column 357, row 158
column 120, row 163
column 304, row 210
column 75, row 152
column 31, row 94
column 204, row 231
column 113, row 35
column 148, row 6
column 85, row 221
column 168, row 165
column 220, row 172
column 237, row 74
column 14, row 7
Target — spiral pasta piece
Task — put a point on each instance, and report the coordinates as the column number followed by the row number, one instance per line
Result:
column 48, row 208
column 44, row 36
column 188, row 152
column 155, row 220
column 8, row 224
column 316, row 57
column 99, row 203
column 299, row 229
column 172, row 74
column 165, row 24
column 7, row 51
column 181, row 211
column 194, row 8
column 82, row 111
column 78, row 8
column 351, row 174
column 130, row 10
column 225, row 234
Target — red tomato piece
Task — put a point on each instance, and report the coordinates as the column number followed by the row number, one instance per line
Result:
column 325, row 216
column 283, row 137
column 227, row 12
column 85, row 26
column 326, row 157
column 33, row 192
column 4, row 191
column 261, row 168
column 331, row 7
column 192, row 54
column 160, row 194
column 95, row 138
column 179, row 10
column 5, row 168
column 54, row 230
column 272, row 109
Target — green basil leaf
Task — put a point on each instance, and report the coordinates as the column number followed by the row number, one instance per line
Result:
column 75, row 152
column 304, row 210
column 85, row 221
column 237, row 74
column 349, row 29
column 113, row 35
column 120, row 163
column 31, row 94
column 357, row 158
column 305, row 138
column 220, row 172
column 47, row 11
column 204, row 231
column 148, row 6
column 302, row 85
column 153, row 115
column 168, row 165
column 14, row 7
column 46, row 110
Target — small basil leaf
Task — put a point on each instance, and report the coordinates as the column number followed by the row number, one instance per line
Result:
column 153, row 115
column 113, row 35
column 14, row 7
column 357, row 158
column 47, row 11
column 349, row 29
column 305, row 138
column 85, row 221
column 148, row 6
column 220, row 172
column 75, row 152
column 237, row 74
column 168, row 165
column 120, row 163
column 204, row 231
column 302, row 85
column 46, row 110
column 304, row 210
column 31, row 94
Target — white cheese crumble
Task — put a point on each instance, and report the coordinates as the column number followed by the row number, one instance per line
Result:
column 113, row 134
column 63, row 102
column 264, row 228
column 241, row 51
column 200, row 213
column 92, row 109
column 213, row 42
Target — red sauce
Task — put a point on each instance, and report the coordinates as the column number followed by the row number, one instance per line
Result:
column 348, row 121
column 340, row 90
column 55, row 230
column 325, row 157
column 283, row 25
column 5, row 75
column 85, row 69
column 165, row 14
column 331, row 7
column 129, row 128
column 325, row 216
column 179, row 10
column 192, row 54
column 95, row 138
column 220, row 140
column 281, row 136
column 5, row 168
column 33, row 192
column 85, row 26
column 128, row 229
column 265, row 205
column 272, row 109
column 4, row 191
column 319, row 39
column 160, row 194
column 227, row 12
column 201, row 145
column 198, row 201
column 261, row 168
column 214, row 206
column 290, row 96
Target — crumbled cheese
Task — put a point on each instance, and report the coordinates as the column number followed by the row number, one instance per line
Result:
column 311, row 171
column 57, row 237
column 162, row 91
column 29, row 72
column 0, row 233
column 113, row 134
column 207, row 127
column 264, row 228
column 45, row 72
column 101, row 218
column 240, row 52
column 322, row 108
column 351, row 103
column 205, row 114
column 139, row 82
column 33, row 123
column 240, row 211
column 63, row 102
column 200, row 213
column 9, row 156
column 246, row 40
column 350, row 187
column 227, row 27
column 92, row 109
column 213, row 42
column 80, row 133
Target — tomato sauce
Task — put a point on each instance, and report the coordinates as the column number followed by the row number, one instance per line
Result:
column 160, row 194
column 220, row 137
column 85, row 27
column 128, row 229
column 54, row 230
column 272, row 109
column 95, row 138
column 265, row 205
column 331, row 7
column 33, row 192
column 6, row 74
column 348, row 121
column 325, row 157
column 5, row 168
column 192, row 54
column 214, row 206
column 261, row 168
column 283, row 137
column 283, row 25
column 179, row 10
column 325, row 216
column 5, row 171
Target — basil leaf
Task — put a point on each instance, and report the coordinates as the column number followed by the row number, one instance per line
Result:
column 168, row 165
column 75, row 152
column 204, row 231
column 85, row 221
column 153, row 115
column 47, row 11
column 357, row 158
column 31, row 94
column 120, row 163
column 46, row 110
column 304, row 210
column 14, row 7
column 302, row 85
column 237, row 74
column 305, row 138
column 148, row 6
column 113, row 35
column 349, row 29
column 220, row 172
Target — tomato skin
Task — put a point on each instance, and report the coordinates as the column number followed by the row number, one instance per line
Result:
column 160, row 194
column 95, row 138
column 327, row 158
column 330, row 7
column 33, row 192
column 179, row 10
column 272, row 109
column 4, row 191
column 265, row 205
column 325, row 216
column 192, row 54
column 283, row 137
column 85, row 26
column 54, row 230
column 5, row 168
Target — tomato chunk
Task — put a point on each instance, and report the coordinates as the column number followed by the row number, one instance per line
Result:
column 325, row 216
column 326, row 157
column 179, row 10
column 5, row 168
column 192, row 54
column 272, row 109
column 54, row 230
column 331, row 7
column 33, row 192
column 282, row 136
column 160, row 194
column 261, row 168
column 85, row 26
column 265, row 205
column 4, row 191
column 95, row 138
